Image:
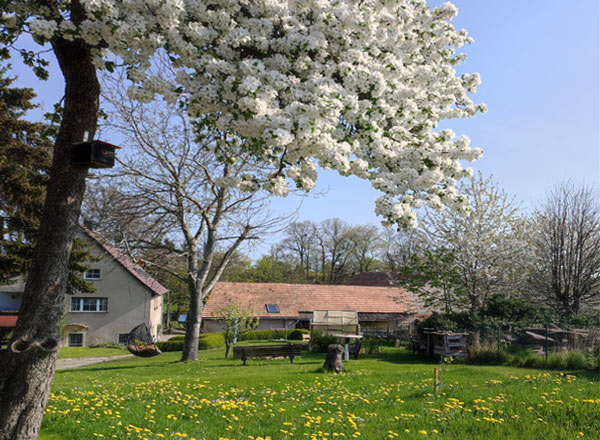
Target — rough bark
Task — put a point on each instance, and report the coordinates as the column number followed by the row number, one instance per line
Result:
column 192, row 328
column 28, row 369
column 333, row 361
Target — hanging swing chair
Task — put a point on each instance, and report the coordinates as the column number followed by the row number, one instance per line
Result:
column 140, row 342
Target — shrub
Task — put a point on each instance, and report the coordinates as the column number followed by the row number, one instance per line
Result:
column 556, row 361
column 211, row 340
column 109, row 345
column 483, row 354
column 205, row 341
column 267, row 335
column 170, row 345
column 296, row 335
column 322, row 342
column 573, row 360
column 577, row 361
column 177, row 338
column 372, row 344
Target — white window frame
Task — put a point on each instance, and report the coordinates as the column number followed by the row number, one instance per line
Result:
column 80, row 303
column 93, row 274
column 76, row 333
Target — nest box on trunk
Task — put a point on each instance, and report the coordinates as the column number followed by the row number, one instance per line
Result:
column 94, row 154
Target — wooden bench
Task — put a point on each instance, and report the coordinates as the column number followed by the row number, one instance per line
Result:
column 249, row 351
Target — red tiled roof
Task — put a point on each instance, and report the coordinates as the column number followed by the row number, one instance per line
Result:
column 8, row 320
column 126, row 261
column 295, row 298
column 381, row 279
column 389, row 279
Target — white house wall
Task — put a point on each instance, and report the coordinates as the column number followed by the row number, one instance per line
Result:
column 130, row 303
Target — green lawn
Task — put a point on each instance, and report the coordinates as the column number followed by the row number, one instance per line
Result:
column 378, row 397
column 85, row 352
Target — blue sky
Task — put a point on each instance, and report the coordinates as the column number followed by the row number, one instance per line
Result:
column 539, row 62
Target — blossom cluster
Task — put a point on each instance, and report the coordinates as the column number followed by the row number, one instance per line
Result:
column 355, row 86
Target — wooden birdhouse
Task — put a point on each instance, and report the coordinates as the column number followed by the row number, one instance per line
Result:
column 94, row 154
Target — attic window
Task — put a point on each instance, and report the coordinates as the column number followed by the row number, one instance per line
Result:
column 272, row 308
column 92, row 274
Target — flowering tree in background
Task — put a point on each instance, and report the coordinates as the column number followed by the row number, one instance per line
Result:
column 480, row 252
column 356, row 86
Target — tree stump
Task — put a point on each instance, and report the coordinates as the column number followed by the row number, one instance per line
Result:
column 333, row 361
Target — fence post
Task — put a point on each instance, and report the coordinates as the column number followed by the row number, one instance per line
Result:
column 435, row 381
column 546, row 348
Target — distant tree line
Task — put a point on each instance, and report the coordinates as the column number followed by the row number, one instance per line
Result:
column 327, row 252
column 457, row 260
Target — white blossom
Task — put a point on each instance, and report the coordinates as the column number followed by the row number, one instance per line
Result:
column 359, row 87
column 43, row 28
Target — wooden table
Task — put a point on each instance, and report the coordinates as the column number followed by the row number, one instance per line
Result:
column 347, row 338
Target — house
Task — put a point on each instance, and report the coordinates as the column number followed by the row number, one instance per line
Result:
column 292, row 305
column 125, row 297
column 10, row 296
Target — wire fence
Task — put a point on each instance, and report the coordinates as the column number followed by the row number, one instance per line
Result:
column 543, row 338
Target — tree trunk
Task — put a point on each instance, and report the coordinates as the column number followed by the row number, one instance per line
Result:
column 333, row 361
column 28, row 368
column 168, row 318
column 192, row 329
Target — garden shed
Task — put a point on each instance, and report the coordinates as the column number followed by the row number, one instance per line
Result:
column 331, row 322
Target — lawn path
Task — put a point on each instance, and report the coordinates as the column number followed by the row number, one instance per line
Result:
column 65, row 364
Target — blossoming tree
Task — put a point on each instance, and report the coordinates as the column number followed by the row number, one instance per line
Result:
column 356, row 86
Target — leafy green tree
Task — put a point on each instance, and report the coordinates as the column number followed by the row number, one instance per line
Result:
column 435, row 277
column 25, row 159
column 235, row 320
column 269, row 270
column 24, row 163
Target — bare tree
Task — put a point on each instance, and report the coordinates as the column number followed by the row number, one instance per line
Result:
column 567, row 248
column 173, row 182
column 366, row 244
column 299, row 242
column 336, row 244
column 397, row 247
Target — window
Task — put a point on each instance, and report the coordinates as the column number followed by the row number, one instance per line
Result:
column 92, row 274
column 123, row 338
column 79, row 304
column 272, row 308
column 75, row 340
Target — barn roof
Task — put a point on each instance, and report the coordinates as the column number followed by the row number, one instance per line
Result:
column 292, row 299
